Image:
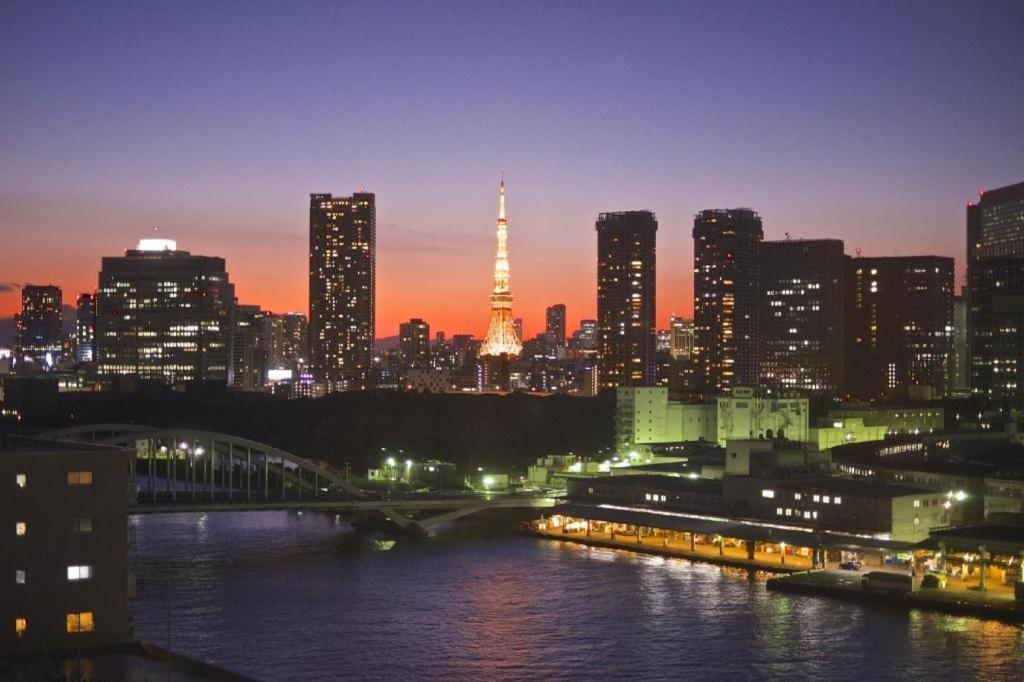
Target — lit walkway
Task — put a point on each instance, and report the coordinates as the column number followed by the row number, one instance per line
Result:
column 681, row 547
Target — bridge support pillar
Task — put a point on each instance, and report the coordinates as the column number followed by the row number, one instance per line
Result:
column 266, row 477
column 231, row 468
column 248, row 473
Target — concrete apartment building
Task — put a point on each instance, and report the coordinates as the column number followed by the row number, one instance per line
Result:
column 63, row 545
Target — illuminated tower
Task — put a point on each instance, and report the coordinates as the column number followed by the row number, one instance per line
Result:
column 501, row 336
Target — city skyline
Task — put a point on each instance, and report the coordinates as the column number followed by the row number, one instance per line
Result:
column 858, row 139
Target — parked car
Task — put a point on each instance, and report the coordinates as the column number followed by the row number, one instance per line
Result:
column 851, row 565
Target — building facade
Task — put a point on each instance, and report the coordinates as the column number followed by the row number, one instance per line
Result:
column 803, row 315
column 85, row 328
column 414, row 344
column 681, row 342
column 554, row 318
column 899, row 326
column 64, row 549
column 727, row 295
column 165, row 314
column 39, row 324
column 342, row 289
column 995, row 293
column 626, row 288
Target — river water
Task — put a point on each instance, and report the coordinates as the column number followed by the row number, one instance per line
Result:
column 280, row 596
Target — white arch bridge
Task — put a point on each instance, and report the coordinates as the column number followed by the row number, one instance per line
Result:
column 189, row 470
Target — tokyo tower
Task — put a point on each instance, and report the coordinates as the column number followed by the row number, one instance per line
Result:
column 501, row 336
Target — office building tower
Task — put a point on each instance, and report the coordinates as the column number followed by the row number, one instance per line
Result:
column 626, row 248
column 164, row 314
column 960, row 373
column 85, row 328
column 681, row 344
column 727, row 296
column 247, row 350
column 663, row 341
column 517, row 325
column 342, row 261
column 294, row 328
column 39, row 325
column 802, row 323
column 899, row 322
column 585, row 338
column 555, row 323
column 995, row 292
column 502, row 337
column 414, row 344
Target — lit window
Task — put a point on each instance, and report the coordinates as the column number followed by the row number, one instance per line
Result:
column 20, row 528
column 79, row 478
column 917, row 503
column 21, row 480
column 20, row 625
column 778, row 511
column 817, row 498
column 825, row 499
column 79, row 572
column 80, row 622
column 83, row 525
column 767, row 493
column 647, row 497
column 19, row 576
column 789, row 512
column 797, row 496
column 837, row 500
column 807, row 514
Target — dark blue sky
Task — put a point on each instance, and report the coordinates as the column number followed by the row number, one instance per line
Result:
column 871, row 122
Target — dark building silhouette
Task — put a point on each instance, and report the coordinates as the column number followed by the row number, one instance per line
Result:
column 247, row 356
column 727, row 296
column 899, row 325
column 626, row 298
column 995, row 292
column 803, row 314
column 85, row 328
column 342, row 257
column 39, row 324
column 164, row 314
column 555, row 323
column 414, row 343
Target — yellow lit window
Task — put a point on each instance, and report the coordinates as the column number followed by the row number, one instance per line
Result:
column 81, row 622
column 79, row 478
column 21, row 480
column 20, row 625
column 20, row 528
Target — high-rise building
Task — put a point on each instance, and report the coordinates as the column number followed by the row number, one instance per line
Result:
column 663, row 341
column 681, row 344
column 39, row 324
column 899, row 323
column 342, row 261
column 85, row 328
column 585, row 338
column 164, row 314
column 626, row 249
column 247, row 357
column 414, row 344
column 802, row 316
column 727, row 296
column 960, row 373
column 995, row 292
column 555, row 323
column 502, row 338
column 295, row 330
